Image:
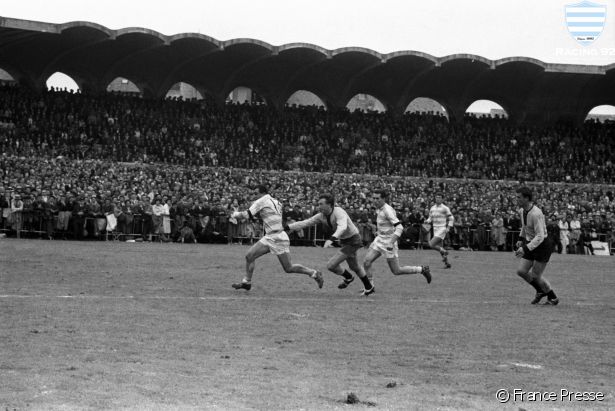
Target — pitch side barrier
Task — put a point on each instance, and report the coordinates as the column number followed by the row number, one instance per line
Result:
column 142, row 227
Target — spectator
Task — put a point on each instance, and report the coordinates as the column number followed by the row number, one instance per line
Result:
column 564, row 233
column 498, row 236
column 15, row 218
column 186, row 234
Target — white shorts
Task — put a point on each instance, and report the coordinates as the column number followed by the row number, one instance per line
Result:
column 381, row 243
column 439, row 232
column 278, row 243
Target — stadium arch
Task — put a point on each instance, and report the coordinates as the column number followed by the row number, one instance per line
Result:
column 601, row 113
column 366, row 103
column 245, row 94
column 529, row 90
column 123, row 85
column 184, row 90
column 426, row 105
column 6, row 77
column 305, row 98
column 486, row 108
column 62, row 81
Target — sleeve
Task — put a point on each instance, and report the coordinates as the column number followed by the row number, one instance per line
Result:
column 255, row 208
column 522, row 232
column 392, row 217
column 341, row 219
column 305, row 223
column 450, row 219
column 538, row 222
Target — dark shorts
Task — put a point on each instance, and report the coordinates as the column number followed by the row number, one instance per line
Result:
column 542, row 253
column 351, row 245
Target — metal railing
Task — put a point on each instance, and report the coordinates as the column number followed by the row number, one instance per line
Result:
column 219, row 229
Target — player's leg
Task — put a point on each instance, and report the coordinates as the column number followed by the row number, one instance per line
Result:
column 257, row 250
column 371, row 256
column 335, row 266
column 393, row 263
column 537, row 270
column 525, row 270
column 437, row 243
column 335, row 262
column 354, row 265
column 289, row 267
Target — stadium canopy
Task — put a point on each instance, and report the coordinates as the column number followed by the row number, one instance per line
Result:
column 529, row 90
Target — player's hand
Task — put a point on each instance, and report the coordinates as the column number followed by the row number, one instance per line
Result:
column 328, row 244
column 519, row 244
column 519, row 253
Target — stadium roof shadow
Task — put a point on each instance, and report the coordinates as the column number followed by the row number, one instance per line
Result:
column 93, row 55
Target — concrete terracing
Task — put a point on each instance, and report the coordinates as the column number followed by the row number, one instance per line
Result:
column 93, row 55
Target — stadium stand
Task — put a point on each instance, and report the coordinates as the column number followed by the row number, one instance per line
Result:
column 76, row 159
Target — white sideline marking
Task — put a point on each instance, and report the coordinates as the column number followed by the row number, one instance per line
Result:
column 260, row 298
column 532, row 366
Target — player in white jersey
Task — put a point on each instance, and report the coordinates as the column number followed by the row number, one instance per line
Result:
column 389, row 230
column 534, row 248
column 344, row 232
column 275, row 239
column 441, row 219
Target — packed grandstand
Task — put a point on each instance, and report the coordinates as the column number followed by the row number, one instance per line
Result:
column 124, row 167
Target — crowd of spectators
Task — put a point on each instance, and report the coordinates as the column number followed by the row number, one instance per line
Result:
column 127, row 129
column 176, row 170
column 64, row 197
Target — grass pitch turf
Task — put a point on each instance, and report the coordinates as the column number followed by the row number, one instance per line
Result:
column 90, row 325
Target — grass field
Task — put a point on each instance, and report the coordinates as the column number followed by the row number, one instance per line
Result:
column 89, row 325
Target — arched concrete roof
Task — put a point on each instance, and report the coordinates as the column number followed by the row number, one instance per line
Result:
column 92, row 54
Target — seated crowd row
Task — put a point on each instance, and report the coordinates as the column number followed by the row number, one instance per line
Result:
column 71, row 198
column 120, row 128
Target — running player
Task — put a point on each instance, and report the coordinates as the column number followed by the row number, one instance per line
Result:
column 275, row 239
column 389, row 231
column 534, row 248
column 345, row 232
column 442, row 220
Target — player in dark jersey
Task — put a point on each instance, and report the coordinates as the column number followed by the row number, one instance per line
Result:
column 534, row 248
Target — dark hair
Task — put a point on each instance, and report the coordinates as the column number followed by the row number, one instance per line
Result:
column 525, row 192
column 262, row 189
column 329, row 199
column 382, row 193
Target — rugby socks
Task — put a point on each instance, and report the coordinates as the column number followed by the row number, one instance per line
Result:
column 366, row 283
column 551, row 295
column 347, row 275
column 537, row 286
